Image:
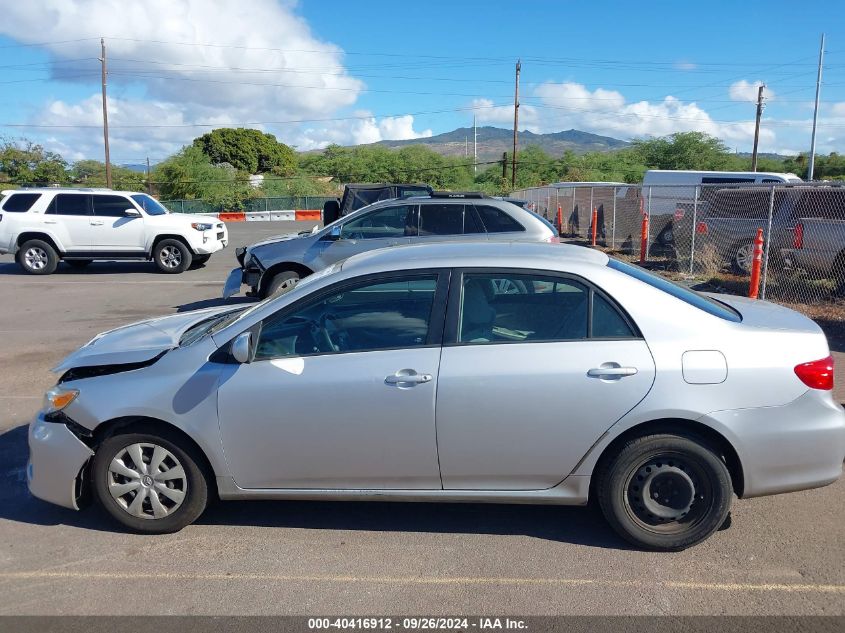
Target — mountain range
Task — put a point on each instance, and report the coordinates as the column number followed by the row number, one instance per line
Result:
column 493, row 141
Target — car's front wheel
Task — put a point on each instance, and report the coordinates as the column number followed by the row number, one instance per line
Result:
column 148, row 482
column 280, row 282
column 665, row 492
column 172, row 256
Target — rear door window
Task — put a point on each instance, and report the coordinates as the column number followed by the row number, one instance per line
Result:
column 70, row 204
column 111, row 206
column 497, row 221
column 20, row 202
column 442, row 219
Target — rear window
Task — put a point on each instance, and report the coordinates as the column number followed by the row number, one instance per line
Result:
column 698, row 300
column 497, row 221
column 20, row 202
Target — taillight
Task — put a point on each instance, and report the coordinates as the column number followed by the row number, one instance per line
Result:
column 701, row 228
column 554, row 239
column 817, row 374
column 798, row 236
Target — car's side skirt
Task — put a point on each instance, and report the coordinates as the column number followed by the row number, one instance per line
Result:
column 574, row 490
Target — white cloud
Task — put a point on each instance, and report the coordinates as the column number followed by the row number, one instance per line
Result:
column 571, row 105
column 747, row 91
column 487, row 112
column 838, row 109
column 685, row 65
column 249, row 80
column 366, row 128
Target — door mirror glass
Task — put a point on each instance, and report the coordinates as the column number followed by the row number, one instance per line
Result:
column 334, row 234
column 241, row 348
column 132, row 213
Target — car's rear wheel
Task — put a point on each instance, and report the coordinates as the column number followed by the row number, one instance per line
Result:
column 279, row 282
column 78, row 263
column 38, row 257
column 149, row 483
column 172, row 256
column 664, row 492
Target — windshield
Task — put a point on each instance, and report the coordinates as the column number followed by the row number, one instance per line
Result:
column 711, row 306
column 150, row 205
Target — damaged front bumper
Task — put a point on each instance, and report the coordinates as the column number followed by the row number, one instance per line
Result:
column 248, row 273
column 57, row 459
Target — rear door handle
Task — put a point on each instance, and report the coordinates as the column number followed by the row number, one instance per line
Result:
column 50, row 222
column 407, row 377
column 96, row 222
column 612, row 372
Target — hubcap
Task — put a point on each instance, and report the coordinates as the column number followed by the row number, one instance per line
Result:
column 36, row 258
column 171, row 256
column 744, row 257
column 147, row 481
column 666, row 493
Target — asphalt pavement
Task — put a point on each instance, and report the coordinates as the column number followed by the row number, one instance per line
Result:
column 782, row 555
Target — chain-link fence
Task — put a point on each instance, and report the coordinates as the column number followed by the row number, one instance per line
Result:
column 705, row 234
column 254, row 204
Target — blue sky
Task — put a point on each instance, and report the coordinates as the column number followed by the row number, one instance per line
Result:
column 320, row 71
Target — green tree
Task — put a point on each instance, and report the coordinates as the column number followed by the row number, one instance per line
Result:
column 189, row 175
column 683, row 150
column 24, row 162
column 92, row 173
column 247, row 150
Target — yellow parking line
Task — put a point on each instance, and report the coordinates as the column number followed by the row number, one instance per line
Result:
column 423, row 580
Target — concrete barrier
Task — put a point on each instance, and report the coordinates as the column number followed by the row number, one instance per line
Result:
column 232, row 217
column 257, row 216
column 288, row 215
column 308, row 215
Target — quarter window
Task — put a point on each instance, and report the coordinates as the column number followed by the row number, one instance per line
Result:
column 502, row 308
column 111, row 206
column 69, row 204
column 397, row 221
column 497, row 221
column 20, row 202
column 442, row 219
column 373, row 315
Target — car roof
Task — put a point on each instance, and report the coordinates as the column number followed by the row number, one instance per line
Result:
column 103, row 190
column 540, row 255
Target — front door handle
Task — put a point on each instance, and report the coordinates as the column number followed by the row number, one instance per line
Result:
column 96, row 222
column 611, row 372
column 407, row 377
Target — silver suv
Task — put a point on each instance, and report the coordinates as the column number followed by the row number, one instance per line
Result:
column 268, row 266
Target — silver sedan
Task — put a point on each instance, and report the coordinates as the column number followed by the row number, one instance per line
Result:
column 507, row 373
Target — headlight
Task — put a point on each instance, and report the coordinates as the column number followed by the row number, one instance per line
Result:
column 57, row 398
column 200, row 226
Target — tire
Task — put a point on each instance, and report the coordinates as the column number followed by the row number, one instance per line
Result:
column 279, row 282
column 78, row 263
column 37, row 257
column 696, row 481
column 742, row 255
column 198, row 261
column 172, row 256
column 112, row 474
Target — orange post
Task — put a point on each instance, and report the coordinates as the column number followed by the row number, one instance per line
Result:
column 756, row 265
column 559, row 220
column 644, row 239
column 595, row 223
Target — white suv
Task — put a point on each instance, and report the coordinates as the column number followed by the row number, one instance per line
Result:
column 43, row 226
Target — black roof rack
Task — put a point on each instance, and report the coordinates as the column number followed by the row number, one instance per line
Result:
column 457, row 194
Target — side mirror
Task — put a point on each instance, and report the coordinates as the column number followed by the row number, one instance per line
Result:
column 334, row 234
column 132, row 213
column 242, row 348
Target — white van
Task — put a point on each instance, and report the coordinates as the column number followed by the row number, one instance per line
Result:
column 689, row 177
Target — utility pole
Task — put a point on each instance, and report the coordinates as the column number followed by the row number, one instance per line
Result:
column 515, row 121
column 812, row 162
column 149, row 184
column 504, row 167
column 466, row 146
column 474, row 146
column 105, row 113
column 757, row 126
